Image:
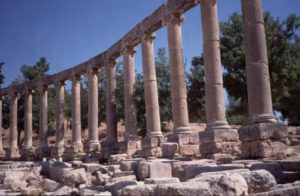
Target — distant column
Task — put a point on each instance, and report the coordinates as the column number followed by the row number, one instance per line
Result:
column 178, row 85
column 150, row 87
column 13, row 137
column 1, row 129
column 129, row 94
column 28, row 119
column 59, row 113
column 111, row 121
column 43, row 143
column 76, row 115
column 258, row 79
column 214, row 92
column 93, row 141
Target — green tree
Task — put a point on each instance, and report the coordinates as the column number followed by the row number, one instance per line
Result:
column 36, row 71
column 196, row 91
column 140, row 103
column 284, row 64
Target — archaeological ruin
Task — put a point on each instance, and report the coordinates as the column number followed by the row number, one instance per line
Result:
column 221, row 160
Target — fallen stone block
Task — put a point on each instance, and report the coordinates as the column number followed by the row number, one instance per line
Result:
column 123, row 173
column 130, row 164
column 274, row 168
column 183, row 190
column 116, row 188
column 147, row 169
column 32, row 191
column 138, row 190
column 290, row 165
column 50, row 185
column 231, row 185
column 91, row 167
column 65, row 190
column 169, row 149
column 75, row 177
column 116, row 159
column 291, row 176
column 189, row 149
column 161, row 180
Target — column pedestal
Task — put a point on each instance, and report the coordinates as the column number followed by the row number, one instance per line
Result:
column 220, row 144
column 263, row 140
column 13, row 153
column 28, row 153
column 152, row 146
column 131, row 146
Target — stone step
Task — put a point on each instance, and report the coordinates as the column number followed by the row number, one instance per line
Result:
column 291, row 176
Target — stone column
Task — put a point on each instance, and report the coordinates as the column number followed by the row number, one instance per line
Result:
column 214, row 92
column 265, row 137
column 150, row 87
column 218, row 140
column 152, row 142
column 178, row 85
column 93, row 141
column 129, row 94
column 76, row 115
column 2, row 153
column 111, row 110
column 43, row 150
column 28, row 120
column 13, row 136
column 258, row 79
column 59, row 118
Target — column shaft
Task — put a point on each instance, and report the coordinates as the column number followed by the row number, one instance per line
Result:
column 13, row 139
column 129, row 94
column 93, row 141
column 214, row 93
column 76, row 113
column 1, row 128
column 258, row 79
column 43, row 143
column 28, row 120
column 178, row 85
column 59, row 113
column 111, row 121
column 150, row 88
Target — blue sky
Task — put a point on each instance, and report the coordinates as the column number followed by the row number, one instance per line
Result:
column 68, row 32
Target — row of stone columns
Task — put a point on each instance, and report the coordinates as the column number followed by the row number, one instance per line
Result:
column 259, row 93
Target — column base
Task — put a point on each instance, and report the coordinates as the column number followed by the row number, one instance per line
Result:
column 130, row 146
column 92, row 146
column 13, row 153
column 43, row 152
column 188, row 143
column 263, row 140
column 151, row 146
column 219, row 143
column 108, row 148
column 28, row 153
column 57, row 151
column 2, row 153
column 74, row 152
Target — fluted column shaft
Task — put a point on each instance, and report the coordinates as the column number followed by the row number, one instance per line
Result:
column 93, row 141
column 13, row 137
column 258, row 79
column 178, row 85
column 76, row 113
column 150, row 87
column 129, row 94
column 59, row 113
column 43, row 117
column 111, row 110
column 28, row 119
column 214, row 93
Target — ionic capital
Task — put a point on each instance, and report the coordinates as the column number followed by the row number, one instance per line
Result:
column 128, row 50
column 76, row 78
column 148, row 37
column 93, row 71
column 175, row 18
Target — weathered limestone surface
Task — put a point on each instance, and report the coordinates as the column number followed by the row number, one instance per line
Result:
column 43, row 150
column 93, row 141
column 77, row 146
column 13, row 151
column 262, row 140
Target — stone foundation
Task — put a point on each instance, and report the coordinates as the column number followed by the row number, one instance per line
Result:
column 43, row 152
column 130, row 147
column 219, row 143
column 57, row 152
column 263, row 140
column 152, row 146
column 27, row 154
column 188, row 143
column 108, row 148
column 13, row 153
